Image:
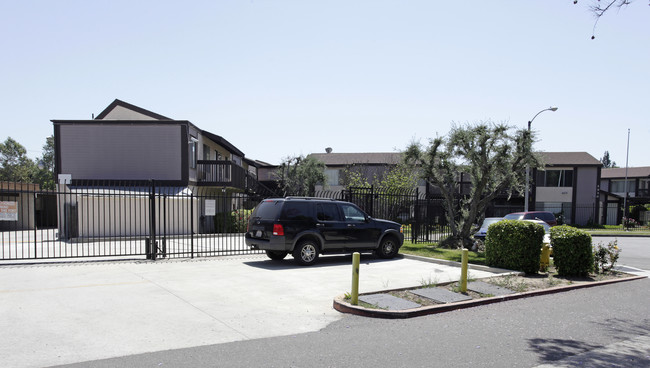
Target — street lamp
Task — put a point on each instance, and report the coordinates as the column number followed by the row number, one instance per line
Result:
column 552, row 108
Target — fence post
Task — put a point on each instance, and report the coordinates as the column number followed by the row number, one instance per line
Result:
column 372, row 200
column 152, row 222
column 192, row 225
column 416, row 217
column 35, row 227
column 164, row 239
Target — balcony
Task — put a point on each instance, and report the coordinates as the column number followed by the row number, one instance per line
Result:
column 223, row 174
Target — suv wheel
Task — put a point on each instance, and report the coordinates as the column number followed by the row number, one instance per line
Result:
column 306, row 252
column 276, row 255
column 388, row 248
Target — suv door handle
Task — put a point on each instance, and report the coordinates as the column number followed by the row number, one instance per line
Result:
column 320, row 225
column 352, row 225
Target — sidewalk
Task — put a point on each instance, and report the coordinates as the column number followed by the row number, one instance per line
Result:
column 62, row 313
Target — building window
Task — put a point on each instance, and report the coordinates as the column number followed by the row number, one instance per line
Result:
column 333, row 176
column 555, row 178
column 206, row 152
column 644, row 186
column 618, row 186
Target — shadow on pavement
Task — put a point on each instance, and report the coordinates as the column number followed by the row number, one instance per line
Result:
column 631, row 351
column 323, row 261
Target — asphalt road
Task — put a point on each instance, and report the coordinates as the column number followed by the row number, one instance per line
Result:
column 607, row 326
column 635, row 251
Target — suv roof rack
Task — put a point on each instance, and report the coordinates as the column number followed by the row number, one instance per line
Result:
column 312, row 198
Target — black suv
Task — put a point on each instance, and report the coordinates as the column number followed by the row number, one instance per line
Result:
column 307, row 227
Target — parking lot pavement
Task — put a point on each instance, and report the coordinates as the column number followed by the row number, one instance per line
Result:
column 72, row 312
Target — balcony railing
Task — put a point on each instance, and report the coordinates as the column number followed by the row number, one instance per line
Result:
column 223, row 173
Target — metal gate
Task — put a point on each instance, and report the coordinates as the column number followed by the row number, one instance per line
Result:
column 120, row 221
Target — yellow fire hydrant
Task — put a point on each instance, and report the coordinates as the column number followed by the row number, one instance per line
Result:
column 545, row 258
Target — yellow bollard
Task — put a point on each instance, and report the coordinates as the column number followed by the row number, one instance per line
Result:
column 356, row 258
column 463, row 271
column 545, row 258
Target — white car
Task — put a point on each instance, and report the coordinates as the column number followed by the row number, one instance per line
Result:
column 547, row 230
column 482, row 232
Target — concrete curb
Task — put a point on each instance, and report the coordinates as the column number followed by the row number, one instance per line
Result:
column 344, row 307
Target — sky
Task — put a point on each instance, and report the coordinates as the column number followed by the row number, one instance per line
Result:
column 283, row 78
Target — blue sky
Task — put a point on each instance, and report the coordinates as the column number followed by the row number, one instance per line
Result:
column 281, row 78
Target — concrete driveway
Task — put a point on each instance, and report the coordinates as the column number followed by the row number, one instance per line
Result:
column 61, row 313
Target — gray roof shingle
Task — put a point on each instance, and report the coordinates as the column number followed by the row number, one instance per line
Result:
column 368, row 158
column 632, row 172
column 569, row 159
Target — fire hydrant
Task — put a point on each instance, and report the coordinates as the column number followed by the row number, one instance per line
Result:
column 545, row 258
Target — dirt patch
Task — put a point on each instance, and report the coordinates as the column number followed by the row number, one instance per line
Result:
column 517, row 283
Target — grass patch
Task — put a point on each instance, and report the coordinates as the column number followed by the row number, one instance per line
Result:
column 510, row 282
column 614, row 232
column 434, row 251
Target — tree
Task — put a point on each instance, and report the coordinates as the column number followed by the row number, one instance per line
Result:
column 495, row 160
column 399, row 178
column 599, row 9
column 299, row 175
column 14, row 164
column 355, row 176
column 607, row 163
column 395, row 178
column 45, row 174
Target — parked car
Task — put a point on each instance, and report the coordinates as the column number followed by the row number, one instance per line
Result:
column 482, row 232
column 547, row 230
column 545, row 216
column 307, row 227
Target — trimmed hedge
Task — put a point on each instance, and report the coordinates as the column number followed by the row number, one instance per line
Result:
column 572, row 252
column 514, row 245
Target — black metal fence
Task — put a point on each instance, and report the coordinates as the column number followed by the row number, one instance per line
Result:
column 147, row 221
column 121, row 221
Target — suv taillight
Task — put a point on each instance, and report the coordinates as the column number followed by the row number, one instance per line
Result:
column 278, row 230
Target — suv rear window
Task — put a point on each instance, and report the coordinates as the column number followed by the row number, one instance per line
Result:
column 328, row 212
column 268, row 210
column 296, row 211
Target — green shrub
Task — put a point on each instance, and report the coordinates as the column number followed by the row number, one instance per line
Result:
column 514, row 245
column 240, row 219
column 605, row 256
column 572, row 253
column 232, row 222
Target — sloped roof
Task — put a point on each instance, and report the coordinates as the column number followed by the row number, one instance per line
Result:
column 223, row 143
column 569, row 159
column 632, row 172
column 367, row 158
column 131, row 107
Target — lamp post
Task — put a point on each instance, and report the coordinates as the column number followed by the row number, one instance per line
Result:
column 552, row 108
